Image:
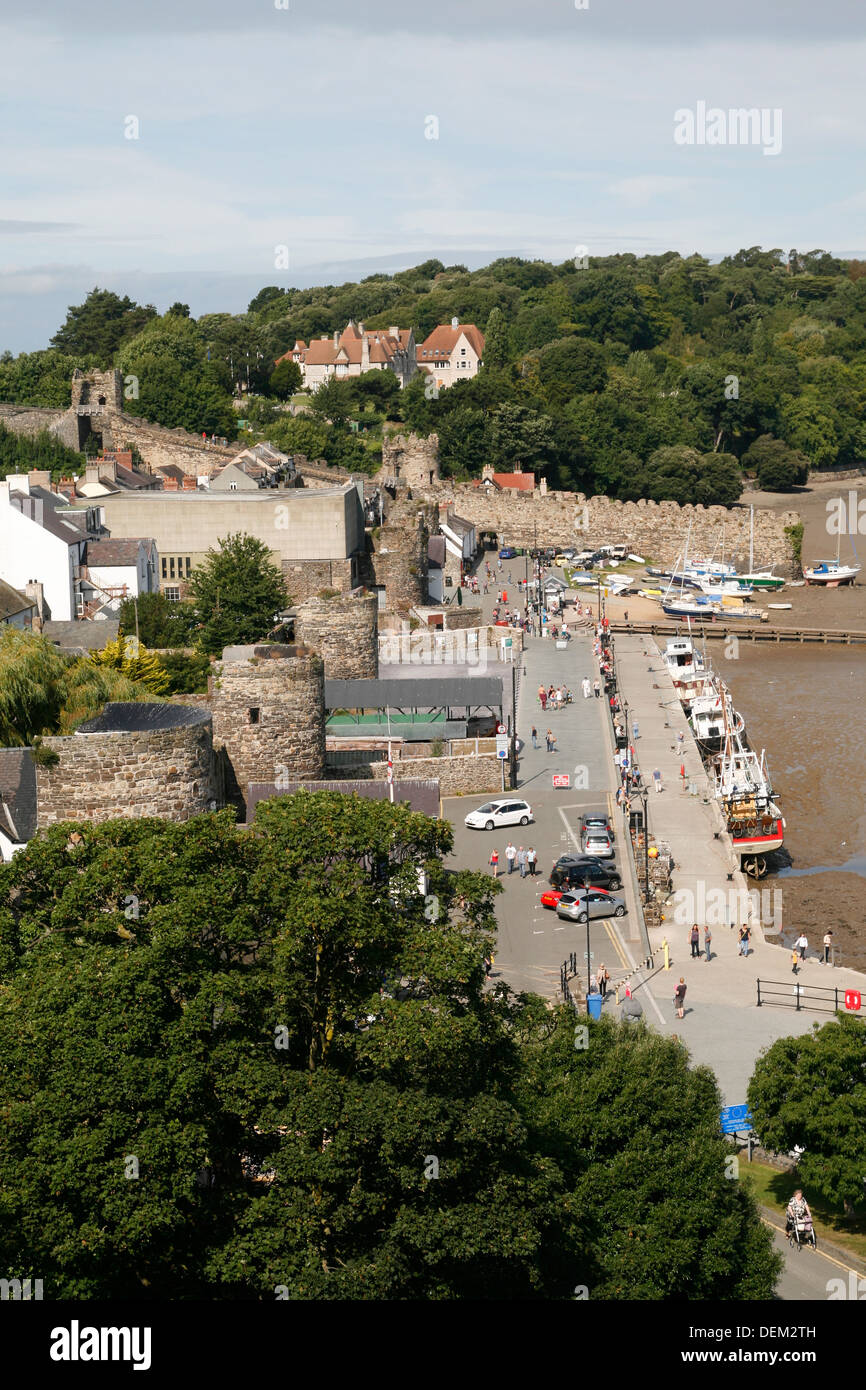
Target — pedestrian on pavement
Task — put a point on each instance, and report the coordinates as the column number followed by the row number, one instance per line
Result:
column 488, row 966
column 510, row 856
column 802, row 945
column 626, row 807
column 531, row 859
column 695, row 939
column 657, row 779
column 601, row 980
column 551, row 742
column 636, row 734
column 680, row 740
column 494, row 862
column 828, row 946
column 625, row 615
column 485, row 587
column 795, row 959
column 534, row 737
column 680, row 998
column 586, row 687
column 596, row 685
column 743, row 938
column 521, row 860
column 708, row 936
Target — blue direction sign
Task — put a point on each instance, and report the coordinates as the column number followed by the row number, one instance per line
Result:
column 735, row 1118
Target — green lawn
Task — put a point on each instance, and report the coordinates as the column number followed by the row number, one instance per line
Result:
column 774, row 1190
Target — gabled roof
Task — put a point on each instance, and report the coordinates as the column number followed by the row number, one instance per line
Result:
column 521, row 482
column 56, row 522
column 17, row 794
column 116, row 552
column 444, row 338
column 436, row 552
column 84, row 635
column 12, row 602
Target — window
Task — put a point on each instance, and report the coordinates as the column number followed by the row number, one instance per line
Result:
column 164, row 569
column 171, row 567
column 254, row 715
column 233, row 487
column 172, row 593
column 188, row 566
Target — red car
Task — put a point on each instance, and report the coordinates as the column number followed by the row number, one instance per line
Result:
column 551, row 896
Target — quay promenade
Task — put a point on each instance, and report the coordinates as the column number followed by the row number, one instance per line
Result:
column 723, row 1025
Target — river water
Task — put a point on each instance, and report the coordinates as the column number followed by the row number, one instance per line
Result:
column 806, row 705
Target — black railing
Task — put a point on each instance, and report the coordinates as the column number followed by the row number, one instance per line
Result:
column 785, row 994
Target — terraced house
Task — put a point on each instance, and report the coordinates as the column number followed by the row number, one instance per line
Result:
column 353, row 352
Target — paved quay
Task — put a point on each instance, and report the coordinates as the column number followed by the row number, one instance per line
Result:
column 723, row 1026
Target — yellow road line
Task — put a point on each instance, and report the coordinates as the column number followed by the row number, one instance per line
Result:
column 615, row 942
column 823, row 1253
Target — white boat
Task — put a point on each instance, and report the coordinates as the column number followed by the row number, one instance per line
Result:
column 687, row 670
column 832, row 573
column 762, row 578
column 780, row 605
column 707, row 719
column 724, row 588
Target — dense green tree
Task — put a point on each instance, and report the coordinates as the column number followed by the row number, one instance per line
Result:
column 236, row 591
column 20, row 452
column 570, row 367
column 101, row 324
column 285, row 380
column 176, row 386
column 777, row 466
column 43, row 691
column 156, row 621
column 333, row 401
column 300, row 434
column 41, row 378
column 519, row 435
column 811, row 1091
column 497, row 351
column 187, row 672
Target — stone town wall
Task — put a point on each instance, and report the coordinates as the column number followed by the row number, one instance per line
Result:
column 344, row 632
column 656, row 530
column 410, row 458
column 30, row 419
column 457, row 776
column 269, row 715
column 399, row 562
column 169, row 773
column 306, row 578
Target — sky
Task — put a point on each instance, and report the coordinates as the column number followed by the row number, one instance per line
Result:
column 348, row 137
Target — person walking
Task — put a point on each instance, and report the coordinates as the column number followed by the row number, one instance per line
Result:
column 743, row 939
column 680, row 741
column 521, row 861
column 551, row 742
column 795, row 959
column 586, row 688
column 602, row 979
column 657, row 779
column 487, row 962
column 494, row 862
column 680, row 998
column 802, row 945
column 510, row 856
column 695, row 939
column 543, row 698
column 596, row 685
column 531, row 859
column 708, row 936
column 828, row 946
column 534, row 737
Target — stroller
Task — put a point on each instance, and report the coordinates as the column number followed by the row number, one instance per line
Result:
column 801, row 1232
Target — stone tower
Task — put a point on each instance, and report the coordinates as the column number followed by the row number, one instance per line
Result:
column 269, row 717
column 344, row 630
column 410, row 459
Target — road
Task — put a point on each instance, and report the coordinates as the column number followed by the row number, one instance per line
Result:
column 808, row 1274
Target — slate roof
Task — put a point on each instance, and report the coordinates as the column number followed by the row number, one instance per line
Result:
column 17, row 794
column 116, row 552
column 436, row 551
column 85, row 635
column 12, row 602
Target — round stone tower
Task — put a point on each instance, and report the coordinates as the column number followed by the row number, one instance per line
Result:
column 134, row 759
column 344, row 630
column 269, row 717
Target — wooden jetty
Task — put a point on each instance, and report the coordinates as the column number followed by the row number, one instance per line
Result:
column 744, row 632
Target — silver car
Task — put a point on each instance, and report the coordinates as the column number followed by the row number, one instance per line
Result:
column 590, row 902
column 596, row 842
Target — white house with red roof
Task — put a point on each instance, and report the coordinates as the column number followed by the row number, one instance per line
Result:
column 354, row 351
column 452, row 352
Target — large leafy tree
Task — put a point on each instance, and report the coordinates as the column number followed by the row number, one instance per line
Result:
column 177, row 385
column 156, row 621
column 101, row 324
column 42, row 691
column 811, row 1091
column 296, row 1048
column 236, row 591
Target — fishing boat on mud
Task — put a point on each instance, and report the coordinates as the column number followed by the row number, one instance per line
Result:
column 742, row 785
column 707, row 719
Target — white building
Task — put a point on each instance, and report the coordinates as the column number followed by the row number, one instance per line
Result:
column 43, row 540
column 119, row 569
column 354, row 351
column 451, row 353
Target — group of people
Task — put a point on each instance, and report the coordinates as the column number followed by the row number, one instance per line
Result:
column 555, row 697
column 525, row 860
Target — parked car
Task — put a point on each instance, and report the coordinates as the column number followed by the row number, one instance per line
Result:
column 504, row 811
column 580, row 907
column 597, row 820
column 577, row 871
column 551, row 896
column 596, row 842
column 507, row 553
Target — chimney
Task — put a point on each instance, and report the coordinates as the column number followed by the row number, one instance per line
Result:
column 336, row 338
column 455, row 323
column 360, row 328
column 91, row 471
column 170, row 485
column 365, row 353
column 107, row 469
column 34, row 590
column 40, row 477
column 395, row 332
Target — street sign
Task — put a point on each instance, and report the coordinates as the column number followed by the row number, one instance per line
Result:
column 852, row 999
column 561, row 779
column 500, row 728
column 502, row 745
column 734, row 1118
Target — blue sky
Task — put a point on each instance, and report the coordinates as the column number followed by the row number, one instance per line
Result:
column 305, row 127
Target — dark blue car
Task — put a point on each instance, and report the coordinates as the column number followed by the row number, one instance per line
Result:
column 508, row 553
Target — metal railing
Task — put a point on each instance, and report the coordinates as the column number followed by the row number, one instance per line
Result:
column 819, row 998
